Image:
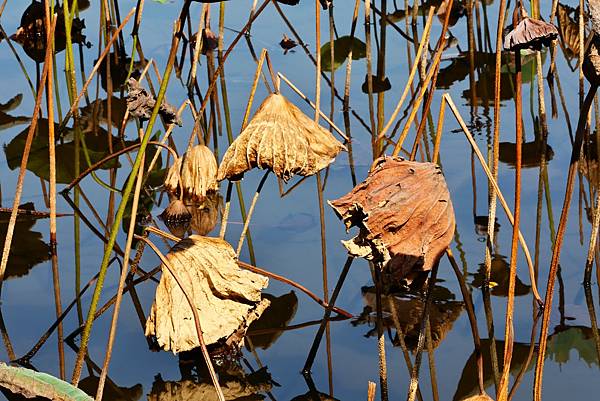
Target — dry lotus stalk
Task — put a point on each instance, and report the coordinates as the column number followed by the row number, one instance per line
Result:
column 228, row 298
column 197, row 174
column 280, row 138
column 405, row 216
column 530, row 34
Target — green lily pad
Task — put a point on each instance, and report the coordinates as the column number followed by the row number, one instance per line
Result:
column 342, row 47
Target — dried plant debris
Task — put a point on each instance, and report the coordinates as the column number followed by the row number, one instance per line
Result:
column 210, row 41
column 196, row 171
column 405, row 216
column 31, row 34
column 280, row 138
column 530, row 34
column 378, row 84
column 287, row 43
column 568, row 29
column 111, row 391
column 594, row 6
column 140, row 104
column 228, row 298
column 30, row 384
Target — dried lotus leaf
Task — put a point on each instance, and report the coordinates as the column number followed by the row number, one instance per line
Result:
column 228, row 298
column 568, row 29
column 530, row 34
column 282, row 139
column 197, row 174
column 405, row 216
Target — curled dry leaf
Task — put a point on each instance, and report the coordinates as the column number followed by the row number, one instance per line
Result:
column 530, row 34
column 210, row 41
column 405, row 216
column 287, row 43
column 196, row 170
column 228, row 298
column 568, row 29
column 140, row 104
column 280, row 138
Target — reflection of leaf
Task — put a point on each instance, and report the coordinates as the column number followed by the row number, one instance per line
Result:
column 277, row 316
column 28, row 249
column 227, row 297
column 409, row 310
column 531, row 154
column 577, row 338
column 31, row 384
column 111, row 391
column 341, row 48
column 311, row 396
column 468, row 384
column 500, row 275
column 38, row 162
column 235, row 384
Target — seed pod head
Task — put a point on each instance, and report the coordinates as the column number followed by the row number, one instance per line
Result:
column 176, row 217
column 196, row 170
column 280, row 138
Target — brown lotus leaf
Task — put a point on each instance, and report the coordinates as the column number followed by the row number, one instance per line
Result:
column 287, row 43
column 140, row 104
column 227, row 298
column 457, row 11
column 196, row 171
column 530, row 34
column 190, row 390
column 405, row 216
column 280, row 138
column 568, row 29
column 210, row 41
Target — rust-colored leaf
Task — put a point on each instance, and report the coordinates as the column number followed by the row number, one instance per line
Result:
column 282, row 139
column 405, row 216
column 228, row 298
column 530, row 34
column 196, row 171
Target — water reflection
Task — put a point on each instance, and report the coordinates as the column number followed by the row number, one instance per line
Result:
column 30, row 250
column 112, row 392
column 263, row 332
column 444, row 312
column 6, row 120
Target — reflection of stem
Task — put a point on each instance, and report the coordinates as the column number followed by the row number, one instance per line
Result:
column 492, row 180
column 589, row 299
column 472, row 319
column 315, row 345
column 414, row 377
column 250, row 212
column 383, row 380
column 581, row 125
column 194, row 309
column 431, row 360
column 525, row 366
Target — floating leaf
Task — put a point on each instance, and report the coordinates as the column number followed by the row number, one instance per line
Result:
column 341, row 48
column 405, row 216
column 282, row 139
column 38, row 162
column 228, row 298
column 31, row 384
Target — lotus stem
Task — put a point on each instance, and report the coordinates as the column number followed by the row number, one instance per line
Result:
column 250, row 212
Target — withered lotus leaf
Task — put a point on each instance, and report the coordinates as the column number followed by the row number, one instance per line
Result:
column 196, row 171
column 530, row 34
column 228, row 298
column 281, row 138
column 405, row 216
column 140, row 104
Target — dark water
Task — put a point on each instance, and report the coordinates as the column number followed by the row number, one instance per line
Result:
column 286, row 230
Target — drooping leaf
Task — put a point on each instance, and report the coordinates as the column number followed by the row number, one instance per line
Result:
column 228, row 298
column 30, row 384
column 405, row 216
column 341, row 48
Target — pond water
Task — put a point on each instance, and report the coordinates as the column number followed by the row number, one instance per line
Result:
column 286, row 231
